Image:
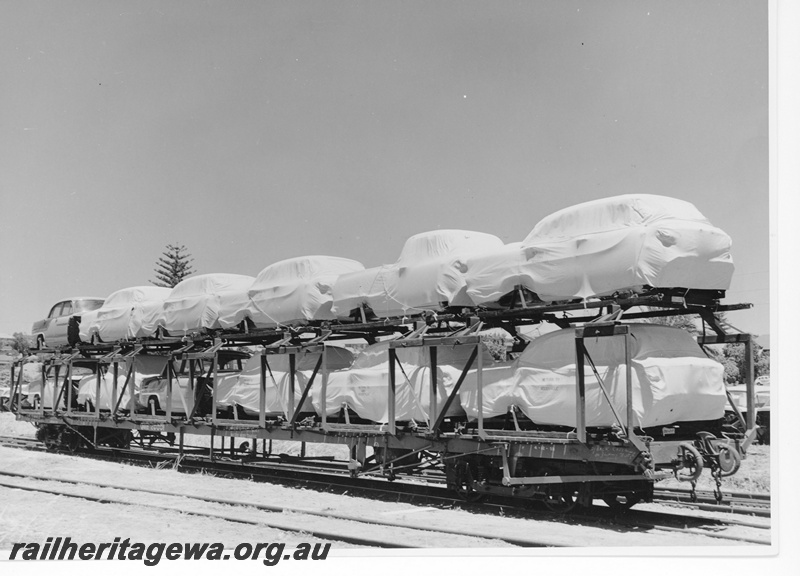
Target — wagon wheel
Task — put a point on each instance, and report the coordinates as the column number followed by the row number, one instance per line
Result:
column 464, row 485
column 622, row 502
column 69, row 441
column 560, row 503
column 560, row 498
column 51, row 440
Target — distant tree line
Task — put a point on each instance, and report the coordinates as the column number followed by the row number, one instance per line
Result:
column 731, row 356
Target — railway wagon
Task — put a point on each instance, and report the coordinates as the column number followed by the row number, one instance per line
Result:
column 487, row 419
column 477, row 452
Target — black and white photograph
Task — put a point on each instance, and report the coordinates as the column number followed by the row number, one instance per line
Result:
column 395, row 286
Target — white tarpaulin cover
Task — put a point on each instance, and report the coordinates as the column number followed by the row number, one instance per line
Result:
column 364, row 387
column 244, row 390
column 297, row 290
column 127, row 313
column 427, row 275
column 673, row 380
column 144, row 366
column 602, row 246
column 31, row 380
column 206, row 301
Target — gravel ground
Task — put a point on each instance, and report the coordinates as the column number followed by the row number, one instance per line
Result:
column 28, row 516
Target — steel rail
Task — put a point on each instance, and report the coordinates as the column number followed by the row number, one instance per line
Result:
column 516, row 541
column 757, row 504
column 411, row 492
column 732, row 494
column 336, row 537
column 332, row 473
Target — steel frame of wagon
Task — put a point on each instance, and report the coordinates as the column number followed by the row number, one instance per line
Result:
column 568, row 446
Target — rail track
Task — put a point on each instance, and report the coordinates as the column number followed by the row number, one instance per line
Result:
column 746, row 503
column 752, row 504
column 341, row 530
column 428, row 492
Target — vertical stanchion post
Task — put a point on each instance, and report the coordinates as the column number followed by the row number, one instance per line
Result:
column 45, row 371
column 324, row 401
column 749, row 377
column 18, row 391
column 114, row 385
column 130, row 384
column 292, row 375
column 432, row 415
column 169, row 391
column 262, row 393
column 68, row 389
column 14, row 387
column 55, row 389
column 194, row 389
column 214, row 375
column 479, row 383
column 98, row 376
column 62, row 394
column 392, row 389
column 628, row 386
column 580, row 392
column 67, row 384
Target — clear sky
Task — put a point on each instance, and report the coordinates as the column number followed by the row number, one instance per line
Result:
column 257, row 131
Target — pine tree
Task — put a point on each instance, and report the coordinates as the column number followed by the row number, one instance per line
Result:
column 173, row 266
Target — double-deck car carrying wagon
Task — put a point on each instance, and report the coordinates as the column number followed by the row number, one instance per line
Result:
column 563, row 467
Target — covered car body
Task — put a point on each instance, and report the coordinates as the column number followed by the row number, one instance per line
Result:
column 29, row 386
column 205, row 302
column 244, row 391
column 144, row 366
column 45, row 392
column 604, row 246
column 364, row 387
column 296, row 290
column 126, row 314
column 673, row 380
column 427, row 276
column 153, row 394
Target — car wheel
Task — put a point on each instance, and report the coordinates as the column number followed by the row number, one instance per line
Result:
column 40, row 342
